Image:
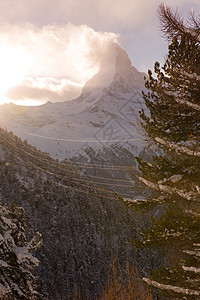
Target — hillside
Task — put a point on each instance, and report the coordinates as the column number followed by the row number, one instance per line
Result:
column 82, row 225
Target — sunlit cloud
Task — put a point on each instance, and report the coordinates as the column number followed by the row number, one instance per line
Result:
column 40, row 90
column 49, row 63
column 106, row 13
column 42, row 57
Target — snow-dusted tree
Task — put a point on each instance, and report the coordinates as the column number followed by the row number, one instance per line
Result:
column 173, row 126
column 16, row 260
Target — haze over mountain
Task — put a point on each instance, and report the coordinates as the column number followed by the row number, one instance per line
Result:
column 105, row 112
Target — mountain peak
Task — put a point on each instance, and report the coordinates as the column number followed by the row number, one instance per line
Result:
column 115, row 72
column 122, row 60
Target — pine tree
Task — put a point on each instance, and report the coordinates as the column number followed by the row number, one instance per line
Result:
column 16, row 260
column 173, row 128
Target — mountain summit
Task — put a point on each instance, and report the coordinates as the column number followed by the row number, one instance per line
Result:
column 116, row 73
column 105, row 114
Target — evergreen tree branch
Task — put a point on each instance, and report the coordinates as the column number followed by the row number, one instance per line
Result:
column 172, row 26
column 171, row 287
column 171, row 190
column 178, row 148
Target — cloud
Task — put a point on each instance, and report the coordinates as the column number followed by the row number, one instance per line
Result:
column 97, row 14
column 47, row 47
column 54, row 60
column 43, row 90
column 57, row 51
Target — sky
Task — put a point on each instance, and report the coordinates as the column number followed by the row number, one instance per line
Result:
column 50, row 48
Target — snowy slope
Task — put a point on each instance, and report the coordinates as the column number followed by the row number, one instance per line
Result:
column 81, row 227
column 106, row 113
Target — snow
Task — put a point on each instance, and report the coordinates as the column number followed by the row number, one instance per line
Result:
column 23, row 254
column 182, row 101
column 193, row 213
column 18, row 290
column 106, row 111
column 159, row 187
column 106, row 74
column 171, row 287
column 8, row 238
column 191, row 269
column 172, row 234
column 138, row 200
column 191, row 252
column 148, row 183
column 7, row 221
column 170, row 190
column 191, row 75
column 3, row 263
column 187, row 195
column 193, row 105
column 175, row 178
column 2, row 153
column 172, row 179
column 178, row 148
column 2, row 289
column 198, row 189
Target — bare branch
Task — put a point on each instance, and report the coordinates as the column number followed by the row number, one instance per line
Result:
column 172, row 25
column 194, row 22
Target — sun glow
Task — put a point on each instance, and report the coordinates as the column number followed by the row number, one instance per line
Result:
column 12, row 67
column 49, row 63
column 16, row 66
column 28, row 102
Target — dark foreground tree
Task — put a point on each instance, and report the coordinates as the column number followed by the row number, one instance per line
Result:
column 173, row 126
column 16, row 260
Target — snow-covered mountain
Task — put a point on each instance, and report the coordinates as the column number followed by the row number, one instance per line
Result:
column 101, row 127
column 106, row 111
column 80, row 220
